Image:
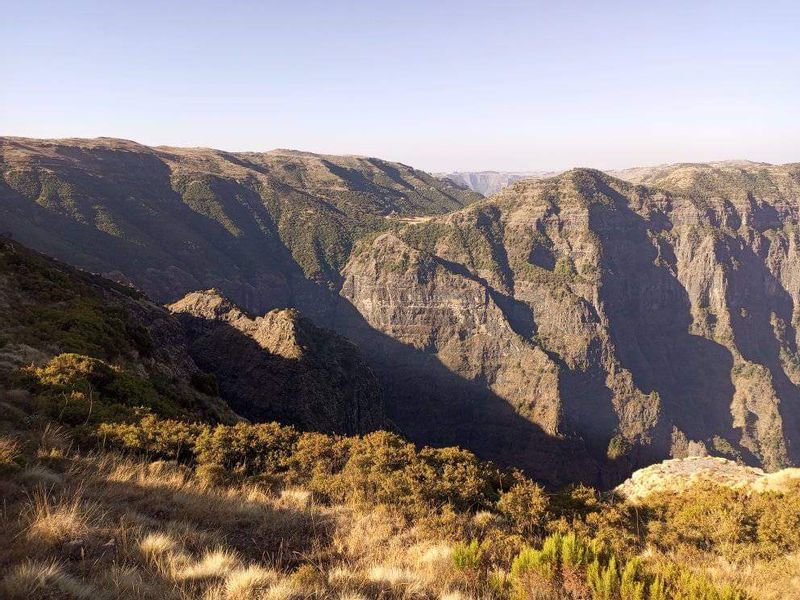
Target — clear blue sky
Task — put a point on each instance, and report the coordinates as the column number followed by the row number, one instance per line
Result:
column 439, row 85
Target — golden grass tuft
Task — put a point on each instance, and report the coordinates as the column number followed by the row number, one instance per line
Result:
column 9, row 450
column 213, row 564
column 54, row 441
column 55, row 520
column 244, row 583
column 155, row 546
column 33, row 580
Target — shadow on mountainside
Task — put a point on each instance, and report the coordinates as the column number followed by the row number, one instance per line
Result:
column 649, row 319
column 757, row 299
column 171, row 245
column 430, row 404
column 326, row 389
column 154, row 232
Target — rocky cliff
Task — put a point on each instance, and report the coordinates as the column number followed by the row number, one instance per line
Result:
column 580, row 326
column 639, row 319
column 490, row 182
column 281, row 367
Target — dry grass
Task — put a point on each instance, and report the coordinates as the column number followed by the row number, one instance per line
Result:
column 31, row 580
column 80, row 524
column 153, row 530
column 55, row 520
column 9, row 450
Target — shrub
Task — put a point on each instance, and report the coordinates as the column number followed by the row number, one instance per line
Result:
column 603, row 580
column 76, row 389
column 455, row 476
column 160, row 438
column 467, row 557
column 380, row 470
column 706, row 517
column 244, row 451
column 618, row 447
column 317, row 461
column 525, row 505
column 10, row 453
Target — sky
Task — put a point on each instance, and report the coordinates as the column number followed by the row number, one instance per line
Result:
column 467, row 85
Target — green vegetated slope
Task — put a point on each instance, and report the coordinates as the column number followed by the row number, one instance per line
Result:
column 94, row 349
column 175, row 220
column 80, row 340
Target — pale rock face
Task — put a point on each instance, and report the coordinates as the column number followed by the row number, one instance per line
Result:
column 490, row 182
column 679, row 474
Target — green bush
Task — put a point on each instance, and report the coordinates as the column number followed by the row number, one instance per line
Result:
column 76, row 389
column 525, row 505
column 457, row 477
column 467, row 557
column 159, row 438
column 245, row 451
column 316, row 463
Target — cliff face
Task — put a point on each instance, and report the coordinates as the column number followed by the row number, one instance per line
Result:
column 488, row 182
column 579, row 327
column 281, row 366
column 644, row 321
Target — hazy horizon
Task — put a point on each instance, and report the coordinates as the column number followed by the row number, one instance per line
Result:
column 451, row 87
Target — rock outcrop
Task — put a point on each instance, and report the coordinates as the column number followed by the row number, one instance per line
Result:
column 281, row 366
column 679, row 474
column 640, row 320
column 491, row 182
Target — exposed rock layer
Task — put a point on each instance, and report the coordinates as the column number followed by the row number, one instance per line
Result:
column 679, row 474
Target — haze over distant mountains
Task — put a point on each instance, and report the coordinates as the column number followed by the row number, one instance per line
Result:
column 578, row 326
column 490, row 182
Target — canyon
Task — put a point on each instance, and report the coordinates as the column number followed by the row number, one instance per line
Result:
column 579, row 326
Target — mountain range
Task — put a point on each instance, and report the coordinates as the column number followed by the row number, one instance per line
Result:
column 578, row 326
column 487, row 183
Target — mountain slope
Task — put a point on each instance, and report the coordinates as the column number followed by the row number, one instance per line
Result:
column 175, row 220
column 72, row 324
column 490, row 182
column 73, row 335
column 281, row 367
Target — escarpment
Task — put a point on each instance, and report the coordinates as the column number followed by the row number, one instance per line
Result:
column 664, row 322
column 579, row 326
